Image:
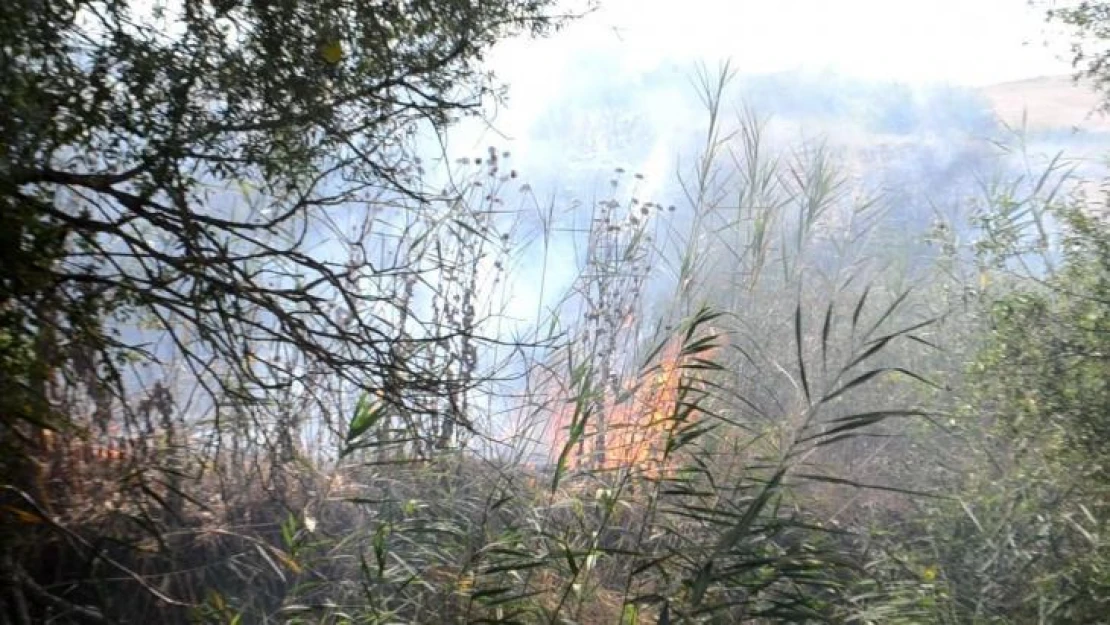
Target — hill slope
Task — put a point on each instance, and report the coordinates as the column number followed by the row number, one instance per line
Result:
column 1050, row 103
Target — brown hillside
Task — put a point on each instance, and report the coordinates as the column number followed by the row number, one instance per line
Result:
column 1049, row 102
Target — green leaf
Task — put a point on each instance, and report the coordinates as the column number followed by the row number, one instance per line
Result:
column 366, row 416
column 332, row 52
column 801, row 354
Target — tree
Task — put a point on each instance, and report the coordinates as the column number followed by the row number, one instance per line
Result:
column 176, row 179
column 122, row 120
column 1020, row 534
column 1045, row 372
column 1089, row 23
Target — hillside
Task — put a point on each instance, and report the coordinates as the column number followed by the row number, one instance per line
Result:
column 1050, row 102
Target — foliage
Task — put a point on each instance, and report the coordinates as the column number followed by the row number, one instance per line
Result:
column 1089, row 23
column 245, row 375
column 1044, row 376
column 1020, row 535
column 169, row 167
column 373, row 525
column 191, row 197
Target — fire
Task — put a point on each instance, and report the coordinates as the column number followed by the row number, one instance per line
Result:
column 69, row 469
column 630, row 431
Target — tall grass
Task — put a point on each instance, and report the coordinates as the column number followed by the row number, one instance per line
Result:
column 687, row 436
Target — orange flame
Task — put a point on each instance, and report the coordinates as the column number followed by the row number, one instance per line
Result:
column 633, row 433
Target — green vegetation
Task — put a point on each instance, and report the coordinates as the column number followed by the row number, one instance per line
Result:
column 253, row 369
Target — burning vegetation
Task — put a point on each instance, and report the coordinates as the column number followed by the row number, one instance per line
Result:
column 628, row 430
